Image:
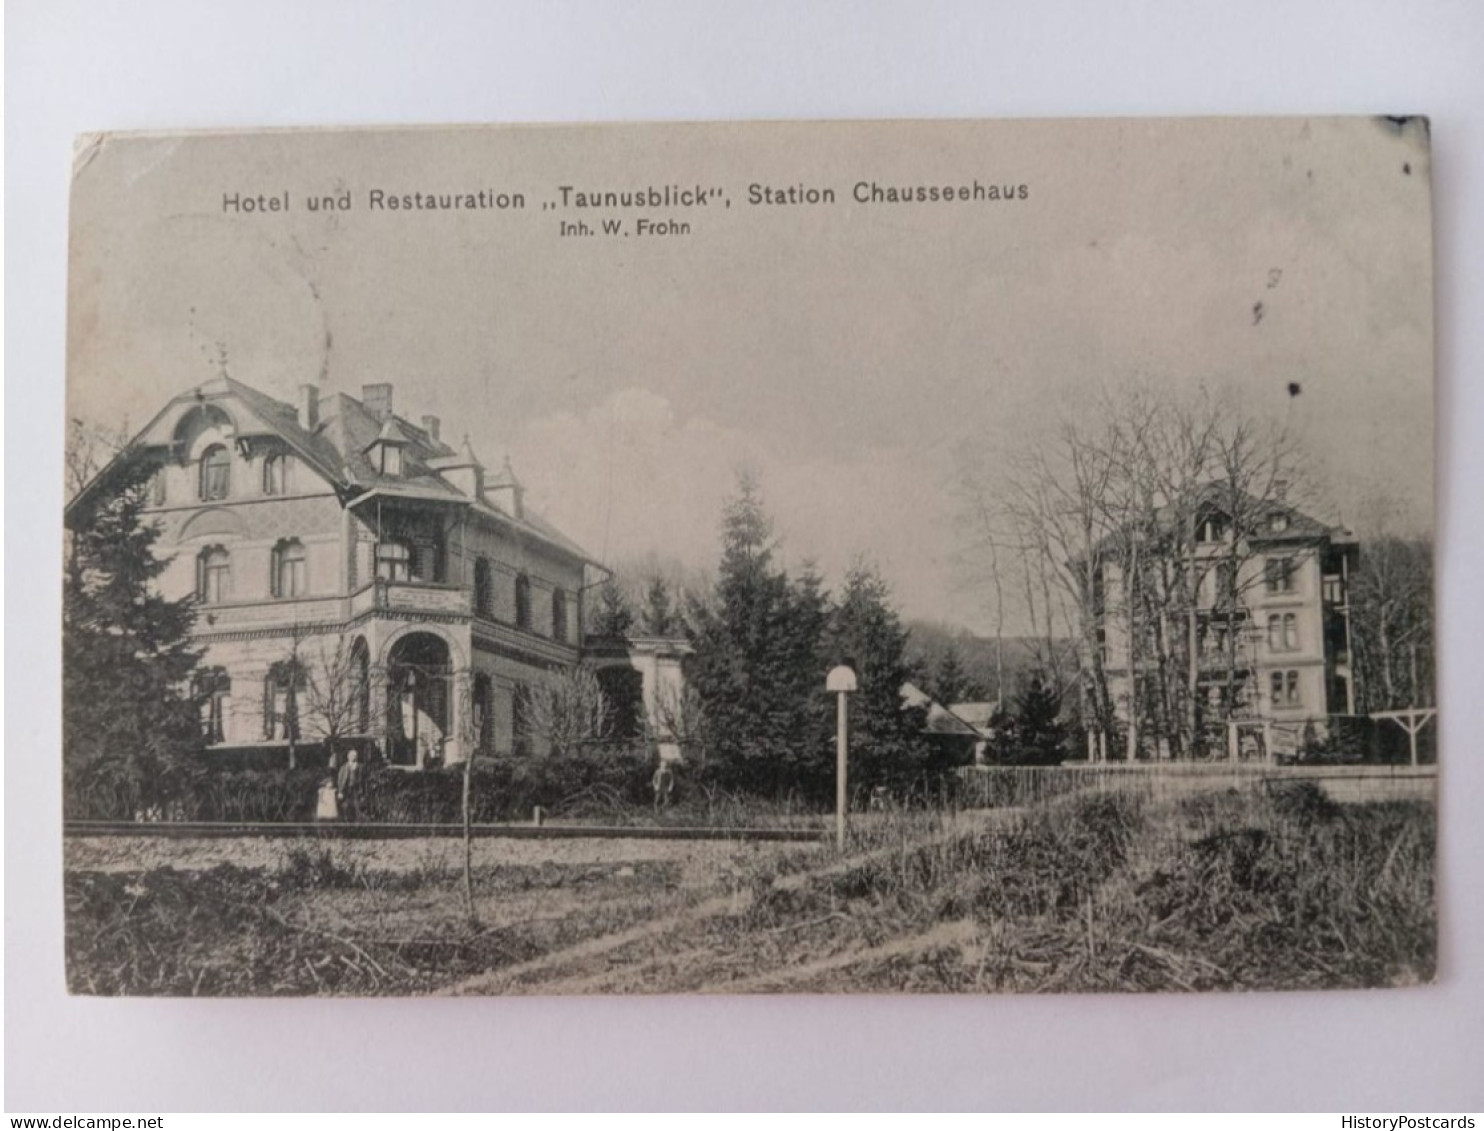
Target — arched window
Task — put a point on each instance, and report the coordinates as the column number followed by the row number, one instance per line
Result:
column 281, row 690
column 278, row 474
column 523, row 601
column 483, row 593
column 213, row 575
column 559, row 616
column 394, row 561
column 1283, row 632
column 484, row 712
column 216, row 473
column 213, row 692
column 290, row 569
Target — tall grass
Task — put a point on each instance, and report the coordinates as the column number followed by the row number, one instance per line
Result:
column 1257, row 886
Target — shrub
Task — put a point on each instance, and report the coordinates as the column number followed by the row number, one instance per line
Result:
column 508, row 789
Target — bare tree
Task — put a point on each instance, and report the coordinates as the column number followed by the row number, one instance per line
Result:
column 90, row 447
column 1392, row 623
column 568, row 709
column 334, row 694
column 1124, row 531
column 679, row 717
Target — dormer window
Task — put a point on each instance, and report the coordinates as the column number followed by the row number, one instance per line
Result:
column 1212, row 528
column 1279, row 523
column 385, row 452
column 278, row 474
column 216, row 473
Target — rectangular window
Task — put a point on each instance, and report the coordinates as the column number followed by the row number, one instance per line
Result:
column 214, row 576
column 216, row 473
column 1285, row 689
column 1280, row 575
column 278, row 475
column 1222, row 598
column 1283, row 632
column 393, row 561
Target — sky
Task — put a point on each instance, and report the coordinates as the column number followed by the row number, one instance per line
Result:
column 855, row 357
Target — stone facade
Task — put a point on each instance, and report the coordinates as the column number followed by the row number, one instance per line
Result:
column 1276, row 639
column 356, row 577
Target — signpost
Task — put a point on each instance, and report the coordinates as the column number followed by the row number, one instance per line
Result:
column 841, row 681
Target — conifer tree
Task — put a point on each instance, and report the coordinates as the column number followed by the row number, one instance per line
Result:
column 886, row 744
column 1039, row 739
column 950, row 681
column 130, row 730
column 613, row 617
column 757, row 659
column 658, row 615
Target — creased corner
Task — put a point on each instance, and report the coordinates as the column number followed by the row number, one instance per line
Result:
column 84, row 148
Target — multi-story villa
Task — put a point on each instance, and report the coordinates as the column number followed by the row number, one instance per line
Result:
column 1270, row 629
column 358, row 577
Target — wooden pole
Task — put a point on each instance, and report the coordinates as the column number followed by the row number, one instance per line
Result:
column 841, row 744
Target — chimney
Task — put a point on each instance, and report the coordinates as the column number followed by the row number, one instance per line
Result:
column 377, row 400
column 430, row 426
column 1280, row 490
column 309, row 407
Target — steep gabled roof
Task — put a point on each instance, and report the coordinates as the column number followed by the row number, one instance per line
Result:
column 1293, row 525
column 336, row 448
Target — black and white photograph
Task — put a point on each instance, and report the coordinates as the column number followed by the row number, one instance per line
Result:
column 920, row 557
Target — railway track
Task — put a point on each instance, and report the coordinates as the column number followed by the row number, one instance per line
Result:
column 348, row 830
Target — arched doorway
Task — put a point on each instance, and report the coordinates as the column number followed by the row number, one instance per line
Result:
column 419, row 700
column 623, row 687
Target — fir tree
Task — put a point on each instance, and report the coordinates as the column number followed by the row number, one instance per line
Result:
column 1038, row 737
column 950, row 681
column 886, row 744
column 613, row 617
column 130, row 730
column 756, row 667
column 658, row 615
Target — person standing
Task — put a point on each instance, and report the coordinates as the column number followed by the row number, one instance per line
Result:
column 348, row 787
column 664, row 785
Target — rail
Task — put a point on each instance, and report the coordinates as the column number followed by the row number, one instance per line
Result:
column 354, row 830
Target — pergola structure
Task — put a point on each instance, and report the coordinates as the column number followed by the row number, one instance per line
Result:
column 1411, row 720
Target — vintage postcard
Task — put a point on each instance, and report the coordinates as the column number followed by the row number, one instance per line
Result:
column 960, row 556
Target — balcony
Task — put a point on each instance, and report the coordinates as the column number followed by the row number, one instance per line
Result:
column 411, row 597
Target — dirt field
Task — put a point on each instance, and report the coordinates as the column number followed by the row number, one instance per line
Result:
column 1232, row 890
column 697, row 862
